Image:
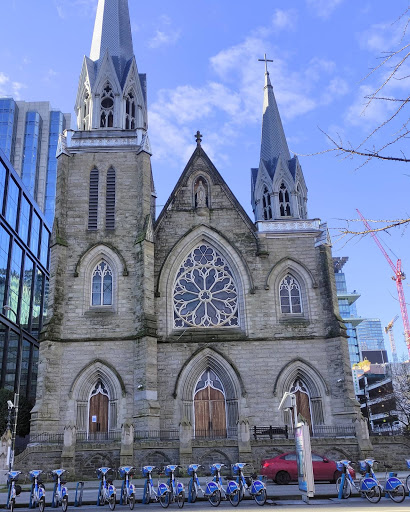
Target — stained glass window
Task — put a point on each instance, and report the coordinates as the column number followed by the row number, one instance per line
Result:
column 205, row 293
column 290, row 296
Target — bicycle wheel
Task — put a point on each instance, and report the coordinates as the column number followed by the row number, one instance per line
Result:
column 373, row 495
column 215, row 498
column 192, row 494
column 261, row 497
column 64, row 504
column 347, row 489
column 234, row 498
column 41, row 504
column 241, row 491
column 408, row 483
column 398, row 494
column 124, row 500
column 131, row 501
column 181, row 499
column 146, row 494
column 12, row 502
column 164, row 500
column 111, row 502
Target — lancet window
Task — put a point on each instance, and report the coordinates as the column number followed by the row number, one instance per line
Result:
column 102, row 281
column 110, row 200
column 130, row 111
column 107, row 107
column 205, row 292
column 290, row 295
column 266, row 204
column 284, row 201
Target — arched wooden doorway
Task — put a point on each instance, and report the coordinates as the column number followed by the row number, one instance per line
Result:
column 98, row 411
column 209, row 407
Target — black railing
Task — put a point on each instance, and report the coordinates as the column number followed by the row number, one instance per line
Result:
column 46, row 437
column 275, row 432
column 226, row 433
column 160, row 435
column 84, row 437
column 271, row 432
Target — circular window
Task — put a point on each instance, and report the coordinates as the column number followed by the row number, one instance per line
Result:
column 107, row 103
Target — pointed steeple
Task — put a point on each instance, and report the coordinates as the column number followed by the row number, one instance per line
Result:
column 278, row 187
column 273, row 142
column 112, row 32
column 111, row 93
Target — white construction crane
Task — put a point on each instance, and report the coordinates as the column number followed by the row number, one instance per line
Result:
column 389, row 330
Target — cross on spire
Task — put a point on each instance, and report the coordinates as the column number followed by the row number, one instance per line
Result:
column 265, row 60
column 198, row 138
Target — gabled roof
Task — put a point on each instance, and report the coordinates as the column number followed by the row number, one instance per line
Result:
column 216, row 177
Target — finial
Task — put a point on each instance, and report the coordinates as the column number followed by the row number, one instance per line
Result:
column 265, row 60
column 198, row 138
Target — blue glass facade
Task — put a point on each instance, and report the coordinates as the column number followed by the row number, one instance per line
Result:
column 24, row 242
column 31, row 151
column 8, row 124
column 370, row 334
column 57, row 125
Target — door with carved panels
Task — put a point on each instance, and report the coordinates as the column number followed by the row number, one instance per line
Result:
column 98, row 411
column 210, row 407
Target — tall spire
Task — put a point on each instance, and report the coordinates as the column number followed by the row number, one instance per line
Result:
column 273, row 142
column 112, row 32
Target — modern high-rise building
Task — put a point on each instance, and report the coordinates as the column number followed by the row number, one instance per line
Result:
column 29, row 134
column 370, row 335
column 24, row 242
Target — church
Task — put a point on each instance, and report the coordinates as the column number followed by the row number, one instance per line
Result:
column 173, row 339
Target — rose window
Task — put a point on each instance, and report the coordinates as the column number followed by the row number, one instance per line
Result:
column 205, row 294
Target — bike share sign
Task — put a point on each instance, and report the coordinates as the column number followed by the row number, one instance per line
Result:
column 304, row 460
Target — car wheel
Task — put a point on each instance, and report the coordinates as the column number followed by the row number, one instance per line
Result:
column 282, row 478
column 336, row 475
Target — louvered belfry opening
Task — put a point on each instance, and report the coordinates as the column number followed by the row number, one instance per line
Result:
column 93, row 200
column 110, row 200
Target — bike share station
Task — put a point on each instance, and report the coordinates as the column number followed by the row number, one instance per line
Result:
column 303, row 448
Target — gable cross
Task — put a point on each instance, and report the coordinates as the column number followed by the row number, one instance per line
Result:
column 198, row 138
column 265, row 60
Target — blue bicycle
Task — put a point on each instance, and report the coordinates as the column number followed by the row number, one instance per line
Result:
column 127, row 488
column 106, row 492
column 194, row 487
column 38, row 492
column 176, row 489
column 393, row 486
column 215, row 489
column 60, row 491
column 368, row 487
column 14, row 489
column 149, row 493
column 255, row 488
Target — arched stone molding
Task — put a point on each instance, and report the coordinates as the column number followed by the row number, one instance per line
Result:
column 82, row 386
column 191, row 239
column 215, row 456
column 305, row 279
column 189, row 375
column 315, row 383
column 85, row 267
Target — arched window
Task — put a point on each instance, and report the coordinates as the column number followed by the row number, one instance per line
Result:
column 290, row 295
column 101, row 292
column 284, row 202
column 301, row 203
column 209, row 406
column 107, row 107
column 266, row 204
column 130, row 111
column 110, row 200
column 93, row 200
column 205, row 293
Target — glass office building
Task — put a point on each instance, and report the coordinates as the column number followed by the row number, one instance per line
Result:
column 370, row 334
column 28, row 136
column 24, row 254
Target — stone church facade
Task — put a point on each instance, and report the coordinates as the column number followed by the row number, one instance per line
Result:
column 173, row 338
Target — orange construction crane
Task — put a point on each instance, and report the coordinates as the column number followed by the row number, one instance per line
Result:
column 389, row 330
column 399, row 277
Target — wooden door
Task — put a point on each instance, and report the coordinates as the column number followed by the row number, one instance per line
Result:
column 303, row 407
column 210, row 413
column 98, row 418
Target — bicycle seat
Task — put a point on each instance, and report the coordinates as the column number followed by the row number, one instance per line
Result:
column 34, row 473
column 193, row 467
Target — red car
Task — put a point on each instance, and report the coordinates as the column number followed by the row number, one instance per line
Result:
column 283, row 469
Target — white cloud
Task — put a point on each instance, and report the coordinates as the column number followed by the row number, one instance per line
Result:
column 374, row 114
column 162, row 38
column 78, row 7
column 285, row 19
column 324, row 8
column 10, row 88
column 383, row 37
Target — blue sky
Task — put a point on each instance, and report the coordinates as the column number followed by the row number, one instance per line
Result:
column 201, row 60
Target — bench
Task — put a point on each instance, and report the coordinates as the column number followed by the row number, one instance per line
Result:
column 270, row 432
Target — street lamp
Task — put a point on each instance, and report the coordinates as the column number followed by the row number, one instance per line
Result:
column 17, row 381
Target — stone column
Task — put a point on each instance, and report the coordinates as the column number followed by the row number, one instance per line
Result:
column 5, row 447
column 69, row 446
column 185, row 442
column 127, row 444
column 362, row 435
column 244, row 438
